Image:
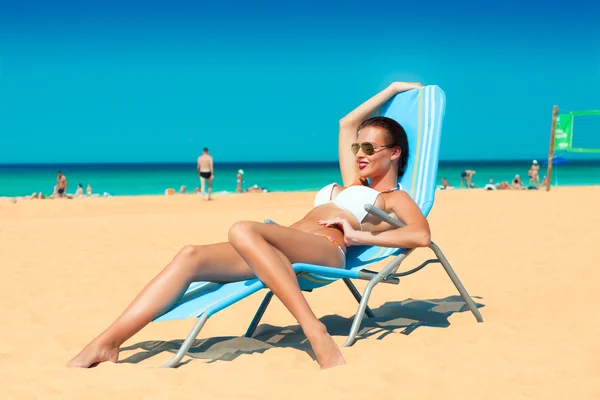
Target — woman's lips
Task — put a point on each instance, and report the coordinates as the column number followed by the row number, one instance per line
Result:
column 362, row 165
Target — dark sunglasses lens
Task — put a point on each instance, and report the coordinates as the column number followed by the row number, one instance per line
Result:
column 354, row 148
column 368, row 148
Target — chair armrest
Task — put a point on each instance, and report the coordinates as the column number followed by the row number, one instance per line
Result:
column 371, row 209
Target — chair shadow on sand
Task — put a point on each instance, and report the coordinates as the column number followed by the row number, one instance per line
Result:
column 393, row 317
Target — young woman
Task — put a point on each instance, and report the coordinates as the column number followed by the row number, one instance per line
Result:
column 370, row 167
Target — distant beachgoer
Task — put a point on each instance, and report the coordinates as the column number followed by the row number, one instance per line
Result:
column 88, row 190
column 79, row 191
column 61, row 184
column 445, row 184
column 256, row 189
column 206, row 172
column 503, row 186
column 534, row 174
column 544, row 183
column 517, row 183
column 466, row 177
column 239, row 181
column 490, row 185
column 183, row 189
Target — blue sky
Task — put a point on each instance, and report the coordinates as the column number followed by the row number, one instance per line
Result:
column 99, row 81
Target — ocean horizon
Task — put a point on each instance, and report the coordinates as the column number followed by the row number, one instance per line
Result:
column 153, row 178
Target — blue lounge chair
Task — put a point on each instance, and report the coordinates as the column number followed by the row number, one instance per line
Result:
column 421, row 113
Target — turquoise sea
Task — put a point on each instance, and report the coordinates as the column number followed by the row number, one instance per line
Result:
column 153, row 179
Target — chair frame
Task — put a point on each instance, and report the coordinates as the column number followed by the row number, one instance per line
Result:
column 388, row 275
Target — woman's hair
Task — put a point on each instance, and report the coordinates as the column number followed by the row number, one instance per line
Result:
column 395, row 136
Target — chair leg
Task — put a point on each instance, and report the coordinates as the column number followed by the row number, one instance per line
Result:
column 357, row 296
column 360, row 313
column 461, row 289
column 187, row 343
column 259, row 314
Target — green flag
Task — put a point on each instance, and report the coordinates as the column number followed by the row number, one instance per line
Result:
column 563, row 132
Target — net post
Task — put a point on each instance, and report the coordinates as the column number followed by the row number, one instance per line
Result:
column 551, row 149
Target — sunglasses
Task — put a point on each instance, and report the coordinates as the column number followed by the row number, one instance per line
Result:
column 367, row 148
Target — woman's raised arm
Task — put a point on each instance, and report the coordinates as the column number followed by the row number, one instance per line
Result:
column 350, row 123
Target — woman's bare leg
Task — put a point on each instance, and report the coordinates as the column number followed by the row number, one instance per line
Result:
column 270, row 251
column 217, row 263
column 270, row 248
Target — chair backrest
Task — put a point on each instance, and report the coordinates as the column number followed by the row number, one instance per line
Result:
column 421, row 113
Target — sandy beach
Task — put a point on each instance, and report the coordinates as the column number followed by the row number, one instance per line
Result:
column 69, row 267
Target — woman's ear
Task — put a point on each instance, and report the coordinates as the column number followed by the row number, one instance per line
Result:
column 396, row 153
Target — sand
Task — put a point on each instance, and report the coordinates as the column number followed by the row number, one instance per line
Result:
column 69, row 267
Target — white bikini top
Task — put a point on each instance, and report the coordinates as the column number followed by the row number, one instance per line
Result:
column 351, row 199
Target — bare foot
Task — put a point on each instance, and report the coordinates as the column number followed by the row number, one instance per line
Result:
column 326, row 350
column 94, row 354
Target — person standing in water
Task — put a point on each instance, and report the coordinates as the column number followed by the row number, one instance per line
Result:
column 534, row 174
column 61, row 184
column 239, row 181
column 206, row 172
column 467, row 177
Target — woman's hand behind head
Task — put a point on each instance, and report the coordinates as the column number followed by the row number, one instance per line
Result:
column 404, row 86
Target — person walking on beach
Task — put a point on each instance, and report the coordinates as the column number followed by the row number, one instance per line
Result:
column 61, row 184
column 206, row 172
column 239, row 180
